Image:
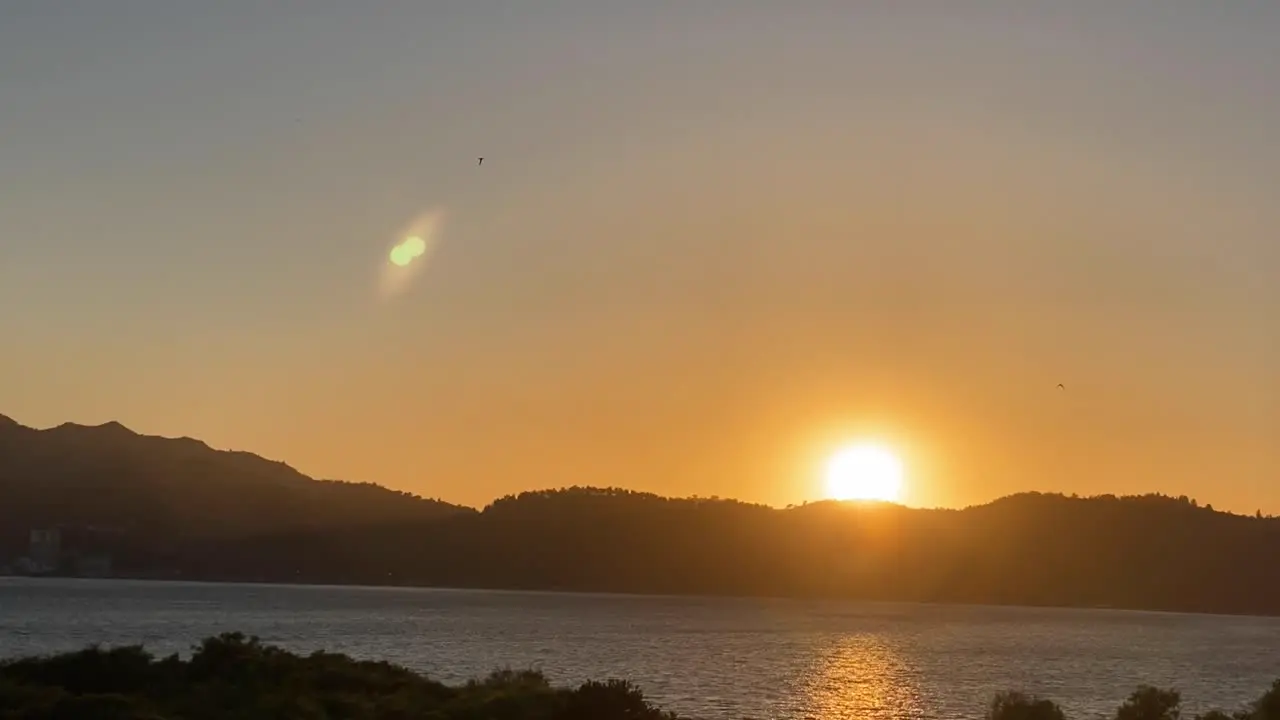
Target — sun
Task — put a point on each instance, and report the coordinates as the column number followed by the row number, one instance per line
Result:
column 864, row 472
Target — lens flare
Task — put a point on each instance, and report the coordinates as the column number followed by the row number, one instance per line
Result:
column 409, row 254
column 406, row 252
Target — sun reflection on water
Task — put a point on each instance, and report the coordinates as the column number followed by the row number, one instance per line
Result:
column 861, row 677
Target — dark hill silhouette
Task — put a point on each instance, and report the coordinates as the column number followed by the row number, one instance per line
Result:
column 195, row 512
column 1148, row 552
column 175, row 489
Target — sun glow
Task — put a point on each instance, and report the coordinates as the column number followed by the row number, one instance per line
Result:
column 864, row 472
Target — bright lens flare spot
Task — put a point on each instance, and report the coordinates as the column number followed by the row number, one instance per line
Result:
column 409, row 256
column 864, row 472
column 408, row 251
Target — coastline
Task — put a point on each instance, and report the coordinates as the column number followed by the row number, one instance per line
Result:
column 535, row 591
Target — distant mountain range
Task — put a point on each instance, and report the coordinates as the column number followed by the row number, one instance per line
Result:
column 179, row 509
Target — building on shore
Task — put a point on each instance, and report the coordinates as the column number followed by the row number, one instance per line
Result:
column 45, row 550
column 66, row 550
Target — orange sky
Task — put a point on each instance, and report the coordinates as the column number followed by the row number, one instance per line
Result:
column 699, row 256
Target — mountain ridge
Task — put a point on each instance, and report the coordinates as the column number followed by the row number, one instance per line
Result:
column 180, row 487
column 184, row 510
column 1148, row 552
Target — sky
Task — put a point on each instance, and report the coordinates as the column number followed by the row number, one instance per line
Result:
column 711, row 242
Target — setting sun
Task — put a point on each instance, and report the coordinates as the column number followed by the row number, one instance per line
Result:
column 864, row 472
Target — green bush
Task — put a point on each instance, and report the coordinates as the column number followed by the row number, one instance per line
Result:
column 1145, row 703
column 1017, row 706
column 1150, row 703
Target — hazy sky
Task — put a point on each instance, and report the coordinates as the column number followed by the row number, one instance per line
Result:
column 711, row 240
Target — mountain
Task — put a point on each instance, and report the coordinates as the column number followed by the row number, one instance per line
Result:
column 182, row 509
column 1149, row 552
column 176, row 489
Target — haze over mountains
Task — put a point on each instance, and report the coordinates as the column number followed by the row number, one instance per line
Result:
column 180, row 509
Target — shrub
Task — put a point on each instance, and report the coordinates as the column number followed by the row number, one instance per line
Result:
column 234, row 676
column 1266, row 707
column 1018, row 706
column 1150, row 703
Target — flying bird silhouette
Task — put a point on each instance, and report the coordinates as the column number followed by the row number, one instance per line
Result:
column 1060, row 387
column 481, row 162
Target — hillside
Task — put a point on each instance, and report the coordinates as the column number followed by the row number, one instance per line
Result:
column 176, row 489
column 186, row 510
column 1149, row 552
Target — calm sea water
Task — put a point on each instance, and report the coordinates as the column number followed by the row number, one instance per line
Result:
column 708, row 658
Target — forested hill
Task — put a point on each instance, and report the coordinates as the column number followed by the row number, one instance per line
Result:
column 165, row 490
column 1148, row 552
column 181, row 509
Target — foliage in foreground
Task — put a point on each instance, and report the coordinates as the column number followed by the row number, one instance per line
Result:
column 232, row 676
column 1146, row 703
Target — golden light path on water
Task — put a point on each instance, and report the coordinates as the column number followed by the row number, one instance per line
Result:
column 409, row 253
column 861, row 677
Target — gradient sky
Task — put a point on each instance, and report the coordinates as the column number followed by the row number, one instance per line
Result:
column 710, row 241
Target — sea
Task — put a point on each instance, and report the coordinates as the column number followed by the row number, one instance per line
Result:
column 709, row 658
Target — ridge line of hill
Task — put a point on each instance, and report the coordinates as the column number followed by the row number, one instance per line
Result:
column 176, row 508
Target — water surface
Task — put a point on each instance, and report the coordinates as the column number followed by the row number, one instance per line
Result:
column 709, row 658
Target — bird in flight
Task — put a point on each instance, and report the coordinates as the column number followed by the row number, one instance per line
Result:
column 481, row 162
column 1060, row 387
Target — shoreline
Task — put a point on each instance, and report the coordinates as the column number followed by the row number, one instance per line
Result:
column 799, row 600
